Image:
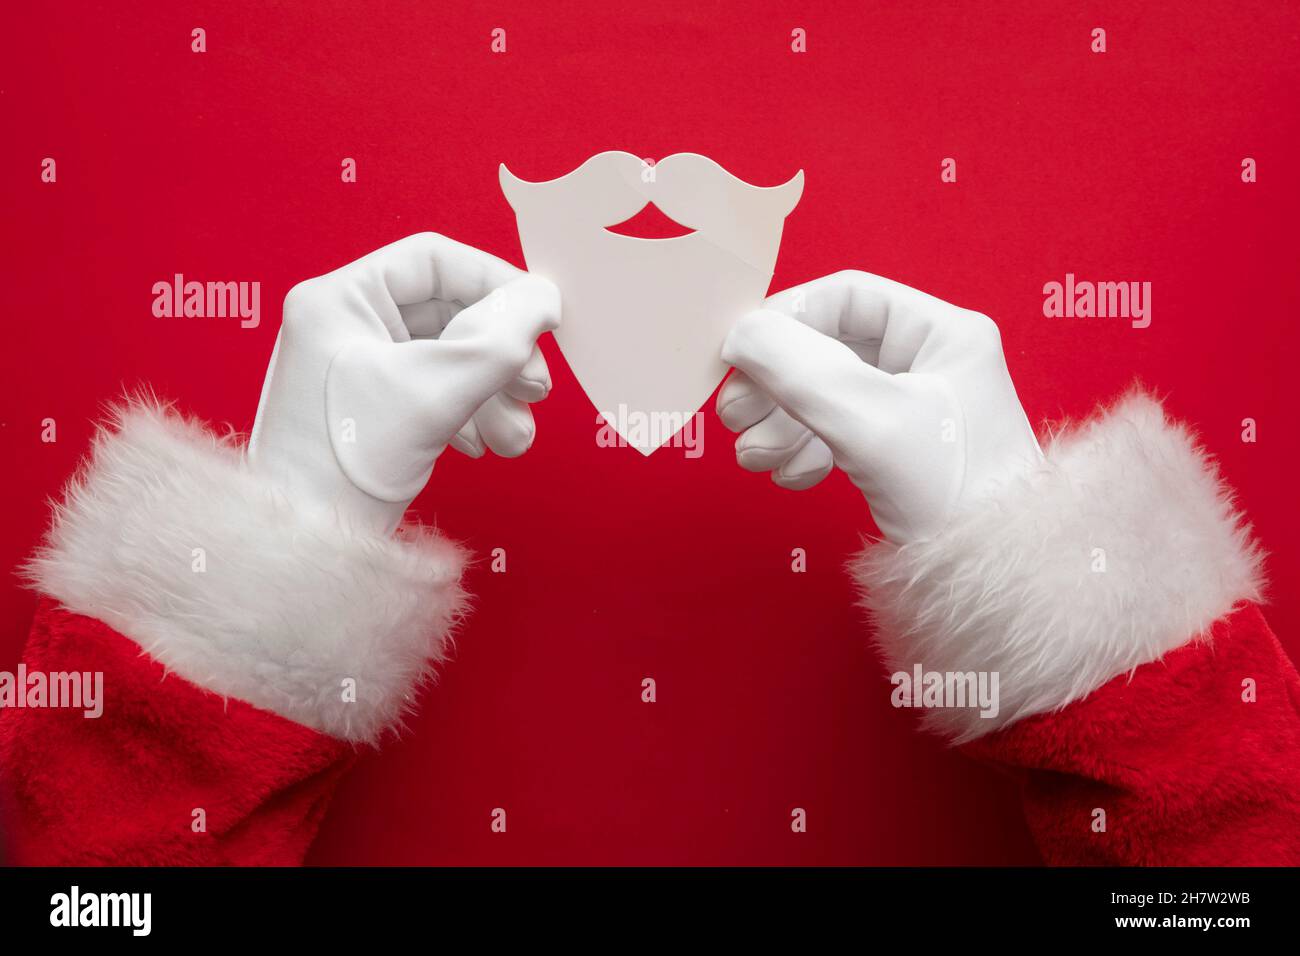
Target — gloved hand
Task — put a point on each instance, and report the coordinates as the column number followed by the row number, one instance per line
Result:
column 381, row 364
column 909, row 395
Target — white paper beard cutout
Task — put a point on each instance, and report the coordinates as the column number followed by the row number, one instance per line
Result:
column 644, row 319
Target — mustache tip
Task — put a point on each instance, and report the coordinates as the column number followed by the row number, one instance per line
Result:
column 510, row 184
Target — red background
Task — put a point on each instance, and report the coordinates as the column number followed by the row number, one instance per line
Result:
column 225, row 165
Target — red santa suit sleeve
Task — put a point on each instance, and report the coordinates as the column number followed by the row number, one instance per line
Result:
column 247, row 647
column 1147, row 709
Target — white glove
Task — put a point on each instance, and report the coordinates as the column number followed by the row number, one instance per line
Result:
column 381, row 364
column 909, row 395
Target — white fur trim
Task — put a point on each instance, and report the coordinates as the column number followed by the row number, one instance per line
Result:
column 291, row 603
column 1010, row 587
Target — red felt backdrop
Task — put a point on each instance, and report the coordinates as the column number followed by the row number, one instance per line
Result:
column 225, row 165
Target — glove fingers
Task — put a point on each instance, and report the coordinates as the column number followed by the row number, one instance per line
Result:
column 533, row 383
column 771, row 443
column 806, row 467
column 818, row 380
column 482, row 350
column 410, row 399
column 885, row 321
column 817, row 304
column 506, row 425
column 426, row 320
column 430, row 266
column 468, row 441
column 741, row 403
